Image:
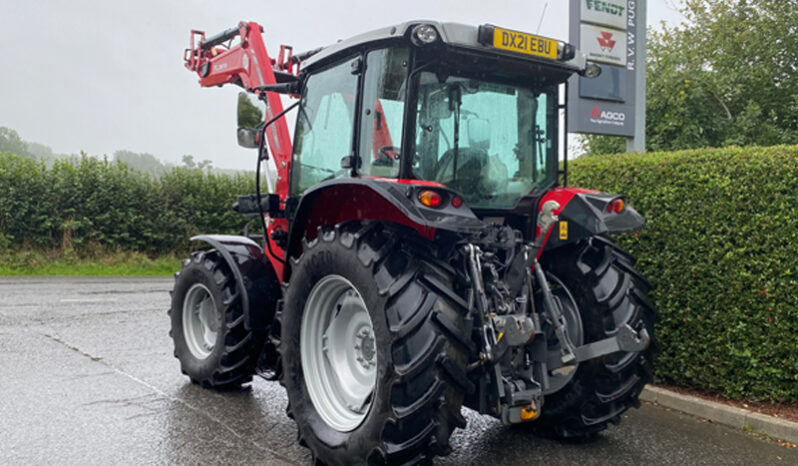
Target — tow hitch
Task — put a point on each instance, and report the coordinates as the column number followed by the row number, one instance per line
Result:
column 627, row 339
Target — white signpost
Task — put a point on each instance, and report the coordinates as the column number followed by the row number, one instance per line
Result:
column 611, row 33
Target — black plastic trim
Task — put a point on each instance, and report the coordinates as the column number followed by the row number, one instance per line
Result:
column 254, row 274
column 587, row 216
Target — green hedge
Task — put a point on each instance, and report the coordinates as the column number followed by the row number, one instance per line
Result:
column 89, row 204
column 721, row 248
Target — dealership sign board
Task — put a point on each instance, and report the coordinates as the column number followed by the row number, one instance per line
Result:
column 606, row 32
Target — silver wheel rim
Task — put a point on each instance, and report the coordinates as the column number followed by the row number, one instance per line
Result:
column 573, row 323
column 200, row 321
column 338, row 352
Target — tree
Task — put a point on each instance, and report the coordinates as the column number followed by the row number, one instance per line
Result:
column 725, row 77
column 40, row 151
column 11, row 142
column 188, row 161
column 146, row 163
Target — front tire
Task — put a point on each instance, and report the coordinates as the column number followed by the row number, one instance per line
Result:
column 608, row 293
column 373, row 276
column 211, row 341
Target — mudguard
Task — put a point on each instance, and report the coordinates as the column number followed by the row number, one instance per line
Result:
column 584, row 213
column 254, row 275
column 392, row 200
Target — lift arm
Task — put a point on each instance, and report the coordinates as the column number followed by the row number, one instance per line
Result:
column 218, row 61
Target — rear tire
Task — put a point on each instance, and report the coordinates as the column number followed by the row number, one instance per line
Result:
column 608, row 292
column 420, row 341
column 211, row 341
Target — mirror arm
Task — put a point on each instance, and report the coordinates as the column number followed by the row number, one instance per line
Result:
column 292, row 87
column 279, row 115
column 272, row 120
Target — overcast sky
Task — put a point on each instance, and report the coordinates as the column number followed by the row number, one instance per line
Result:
column 100, row 76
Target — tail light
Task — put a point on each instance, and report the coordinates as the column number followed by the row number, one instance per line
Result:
column 430, row 198
column 616, row 205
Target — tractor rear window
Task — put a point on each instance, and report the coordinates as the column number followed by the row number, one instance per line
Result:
column 324, row 127
column 492, row 142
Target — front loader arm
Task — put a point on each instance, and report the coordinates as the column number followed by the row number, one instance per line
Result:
column 247, row 64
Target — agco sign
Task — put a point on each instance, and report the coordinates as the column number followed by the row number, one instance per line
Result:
column 605, row 117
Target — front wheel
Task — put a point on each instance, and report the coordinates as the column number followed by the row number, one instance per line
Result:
column 599, row 290
column 370, row 359
column 213, row 345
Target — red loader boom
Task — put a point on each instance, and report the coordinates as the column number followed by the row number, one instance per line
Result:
column 249, row 65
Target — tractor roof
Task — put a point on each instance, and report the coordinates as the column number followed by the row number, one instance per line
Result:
column 453, row 34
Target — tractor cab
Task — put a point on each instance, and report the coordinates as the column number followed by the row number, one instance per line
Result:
column 474, row 109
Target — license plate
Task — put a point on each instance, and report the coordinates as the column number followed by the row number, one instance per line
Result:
column 521, row 42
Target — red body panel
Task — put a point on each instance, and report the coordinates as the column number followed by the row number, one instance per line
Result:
column 562, row 196
column 352, row 202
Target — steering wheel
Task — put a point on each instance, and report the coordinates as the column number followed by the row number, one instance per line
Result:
column 384, row 155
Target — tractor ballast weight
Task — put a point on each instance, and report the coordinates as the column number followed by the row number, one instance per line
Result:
column 419, row 253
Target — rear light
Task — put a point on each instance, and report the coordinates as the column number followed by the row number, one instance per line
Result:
column 456, row 202
column 430, row 198
column 618, row 205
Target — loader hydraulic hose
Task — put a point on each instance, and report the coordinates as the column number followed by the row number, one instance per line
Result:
column 260, row 204
column 219, row 38
column 257, row 179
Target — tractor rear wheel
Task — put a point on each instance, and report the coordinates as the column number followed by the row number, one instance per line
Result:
column 211, row 341
column 373, row 348
column 607, row 292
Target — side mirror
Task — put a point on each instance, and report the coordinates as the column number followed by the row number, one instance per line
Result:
column 250, row 119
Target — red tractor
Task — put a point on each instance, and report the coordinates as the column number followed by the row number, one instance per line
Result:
column 420, row 251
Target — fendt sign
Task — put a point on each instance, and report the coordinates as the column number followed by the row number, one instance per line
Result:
column 607, row 12
column 608, row 32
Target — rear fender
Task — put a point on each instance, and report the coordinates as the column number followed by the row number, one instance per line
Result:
column 395, row 201
column 584, row 213
column 254, row 275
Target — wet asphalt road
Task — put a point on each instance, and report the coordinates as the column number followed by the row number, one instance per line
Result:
column 87, row 377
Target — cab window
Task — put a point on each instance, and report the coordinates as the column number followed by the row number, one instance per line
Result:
column 382, row 114
column 324, row 127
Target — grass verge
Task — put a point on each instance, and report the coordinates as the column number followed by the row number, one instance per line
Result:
column 118, row 263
